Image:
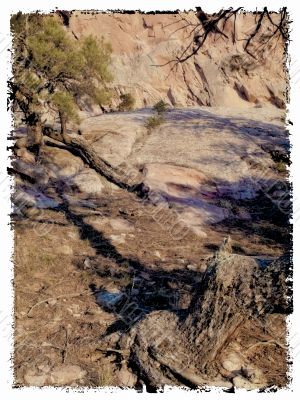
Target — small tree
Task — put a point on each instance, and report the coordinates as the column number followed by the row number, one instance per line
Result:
column 50, row 68
column 160, row 107
column 127, row 102
column 154, row 122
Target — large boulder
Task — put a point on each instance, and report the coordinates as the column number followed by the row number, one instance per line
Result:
column 90, row 183
column 61, row 162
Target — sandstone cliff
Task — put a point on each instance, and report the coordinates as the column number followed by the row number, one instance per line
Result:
column 221, row 74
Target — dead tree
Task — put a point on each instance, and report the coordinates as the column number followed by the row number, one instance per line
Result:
column 128, row 180
column 166, row 348
column 214, row 25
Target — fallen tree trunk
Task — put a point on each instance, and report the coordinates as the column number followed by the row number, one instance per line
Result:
column 129, row 180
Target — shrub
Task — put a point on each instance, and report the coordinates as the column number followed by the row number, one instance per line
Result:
column 127, row 102
column 56, row 69
column 281, row 166
column 154, row 121
column 160, row 107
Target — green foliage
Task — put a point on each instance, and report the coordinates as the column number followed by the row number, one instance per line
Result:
column 281, row 166
column 160, row 107
column 97, row 58
column 22, row 25
column 53, row 53
column 49, row 65
column 64, row 102
column 158, row 119
column 32, row 80
column 127, row 102
column 99, row 95
column 154, row 122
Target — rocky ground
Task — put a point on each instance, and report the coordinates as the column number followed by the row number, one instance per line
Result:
column 96, row 266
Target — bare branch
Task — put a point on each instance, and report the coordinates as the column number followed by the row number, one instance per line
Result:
column 210, row 25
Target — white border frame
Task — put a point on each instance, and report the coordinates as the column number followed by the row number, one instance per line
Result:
column 6, row 233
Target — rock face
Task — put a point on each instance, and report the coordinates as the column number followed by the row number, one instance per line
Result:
column 208, row 165
column 202, row 160
column 171, row 179
column 61, row 162
column 89, row 182
column 220, row 74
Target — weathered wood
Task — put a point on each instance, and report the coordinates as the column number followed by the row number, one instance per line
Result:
column 234, row 289
column 128, row 180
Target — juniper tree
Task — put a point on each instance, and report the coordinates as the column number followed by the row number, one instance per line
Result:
column 127, row 102
column 51, row 69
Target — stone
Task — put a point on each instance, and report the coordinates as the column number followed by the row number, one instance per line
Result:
column 87, row 263
column 35, row 171
column 22, row 199
column 232, row 362
column 126, row 377
column 73, row 235
column 35, row 380
column 192, row 267
column 121, row 225
column 172, row 179
column 25, row 155
column 245, row 93
column 253, row 374
column 109, row 298
column 208, row 78
column 21, row 143
column 243, row 383
column 117, row 239
column 31, row 212
column 89, row 182
column 118, row 225
column 61, row 162
column 66, row 374
column 44, row 368
column 52, row 302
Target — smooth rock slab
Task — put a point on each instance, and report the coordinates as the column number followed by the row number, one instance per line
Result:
column 61, row 162
column 89, row 182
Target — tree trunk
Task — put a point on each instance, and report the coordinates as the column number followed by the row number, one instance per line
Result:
column 63, row 126
column 35, row 132
column 235, row 292
column 129, row 180
column 234, row 289
column 32, row 117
